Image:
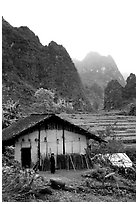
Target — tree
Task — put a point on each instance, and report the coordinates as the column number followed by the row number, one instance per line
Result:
column 48, row 101
column 10, row 113
column 113, row 145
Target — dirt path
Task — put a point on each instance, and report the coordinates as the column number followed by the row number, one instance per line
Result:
column 74, row 178
column 69, row 177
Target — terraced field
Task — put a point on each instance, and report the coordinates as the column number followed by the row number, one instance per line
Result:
column 124, row 126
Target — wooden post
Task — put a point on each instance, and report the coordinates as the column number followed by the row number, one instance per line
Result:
column 63, row 140
column 39, row 147
column 82, row 162
column 72, row 146
column 57, row 145
column 46, row 142
column 67, row 159
column 79, row 145
column 46, row 148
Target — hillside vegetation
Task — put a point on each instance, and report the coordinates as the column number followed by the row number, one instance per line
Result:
column 27, row 66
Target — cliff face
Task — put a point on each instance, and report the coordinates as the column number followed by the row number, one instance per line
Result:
column 116, row 96
column 27, row 65
column 130, row 88
column 113, row 95
column 96, row 70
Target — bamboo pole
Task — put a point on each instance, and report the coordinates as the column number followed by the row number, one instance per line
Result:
column 86, row 162
column 72, row 163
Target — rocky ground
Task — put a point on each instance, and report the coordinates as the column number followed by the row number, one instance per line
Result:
column 101, row 183
column 81, row 191
column 79, row 186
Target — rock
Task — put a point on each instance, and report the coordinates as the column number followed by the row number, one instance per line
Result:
column 57, row 183
column 69, row 188
column 45, row 190
column 80, row 189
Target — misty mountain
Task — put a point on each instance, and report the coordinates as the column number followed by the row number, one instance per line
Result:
column 97, row 70
column 28, row 66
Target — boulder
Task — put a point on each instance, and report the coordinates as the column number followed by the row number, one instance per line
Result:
column 57, row 183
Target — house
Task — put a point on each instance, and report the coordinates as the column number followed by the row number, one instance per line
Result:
column 39, row 135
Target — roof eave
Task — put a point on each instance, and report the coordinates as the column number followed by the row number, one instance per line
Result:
column 85, row 132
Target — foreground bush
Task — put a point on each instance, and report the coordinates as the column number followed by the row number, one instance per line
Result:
column 19, row 184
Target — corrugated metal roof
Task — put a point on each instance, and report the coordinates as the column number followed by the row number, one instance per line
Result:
column 33, row 120
column 120, row 160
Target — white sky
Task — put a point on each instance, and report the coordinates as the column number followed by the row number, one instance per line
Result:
column 105, row 26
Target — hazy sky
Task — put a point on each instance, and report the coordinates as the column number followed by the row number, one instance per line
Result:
column 109, row 27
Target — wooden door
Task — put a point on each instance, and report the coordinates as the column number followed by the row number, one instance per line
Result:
column 26, row 157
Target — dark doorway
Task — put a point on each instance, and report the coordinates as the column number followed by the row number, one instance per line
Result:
column 26, row 157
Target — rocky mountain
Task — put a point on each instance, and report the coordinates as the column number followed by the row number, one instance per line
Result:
column 130, row 87
column 113, row 96
column 116, row 96
column 97, row 70
column 28, row 66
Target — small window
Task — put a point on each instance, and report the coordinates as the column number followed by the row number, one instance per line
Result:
column 23, row 140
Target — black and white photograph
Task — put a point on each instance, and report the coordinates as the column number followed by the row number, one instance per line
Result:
column 69, row 100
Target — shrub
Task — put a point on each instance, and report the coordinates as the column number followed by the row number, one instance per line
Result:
column 112, row 146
